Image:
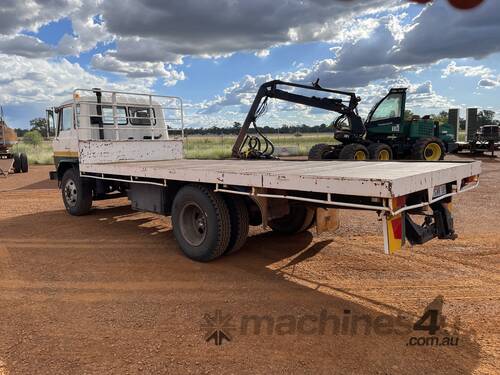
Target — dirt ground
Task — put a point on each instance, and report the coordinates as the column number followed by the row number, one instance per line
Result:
column 111, row 293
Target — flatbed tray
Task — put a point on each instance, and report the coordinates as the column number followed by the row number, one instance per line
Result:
column 387, row 179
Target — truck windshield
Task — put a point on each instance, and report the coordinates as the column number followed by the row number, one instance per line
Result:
column 389, row 108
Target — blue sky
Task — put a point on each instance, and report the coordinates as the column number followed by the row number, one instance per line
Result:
column 216, row 53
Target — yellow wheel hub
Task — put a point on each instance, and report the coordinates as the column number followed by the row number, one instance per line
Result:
column 432, row 152
column 384, row 155
column 359, row 155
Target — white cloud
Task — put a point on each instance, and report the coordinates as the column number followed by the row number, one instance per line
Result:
column 109, row 63
column 24, row 45
column 466, row 70
column 27, row 80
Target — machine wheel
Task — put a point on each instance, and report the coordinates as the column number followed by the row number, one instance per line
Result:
column 430, row 149
column 24, row 162
column 354, row 151
column 321, row 151
column 76, row 193
column 201, row 222
column 380, row 151
column 299, row 219
column 17, row 163
column 240, row 221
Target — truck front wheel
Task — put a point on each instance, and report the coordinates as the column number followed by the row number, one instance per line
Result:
column 201, row 222
column 76, row 193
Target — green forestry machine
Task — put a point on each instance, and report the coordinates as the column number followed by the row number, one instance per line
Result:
column 385, row 134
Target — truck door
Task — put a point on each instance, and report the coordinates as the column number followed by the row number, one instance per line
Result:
column 65, row 142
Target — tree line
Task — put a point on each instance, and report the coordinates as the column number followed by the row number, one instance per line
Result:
column 485, row 117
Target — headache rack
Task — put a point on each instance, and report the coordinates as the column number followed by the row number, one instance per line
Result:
column 103, row 115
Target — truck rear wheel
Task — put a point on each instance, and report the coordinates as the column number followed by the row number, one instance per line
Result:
column 24, row 162
column 76, row 193
column 299, row 219
column 17, row 163
column 430, row 149
column 239, row 220
column 321, row 151
column 354, row 151
column 380, row 151
column 201, row 222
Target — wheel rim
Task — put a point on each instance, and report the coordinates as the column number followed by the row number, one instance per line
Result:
column 384, row 155
column 359, row 155
column 432, row 152
column 193, row 224
column 70, row 193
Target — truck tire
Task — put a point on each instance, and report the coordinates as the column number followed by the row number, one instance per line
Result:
column 24, row 162
column 239, row 219
column 354, row 151
column 430, row 149
column 321, row 151
column 299, row 219
column 201, row 222
column 17, row 163
column 76, row 193
column 380, row 151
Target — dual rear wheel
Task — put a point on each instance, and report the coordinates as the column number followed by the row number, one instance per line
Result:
column 208, row 225
column 20, row 163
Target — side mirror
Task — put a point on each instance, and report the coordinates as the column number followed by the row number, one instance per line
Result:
column 51, row 128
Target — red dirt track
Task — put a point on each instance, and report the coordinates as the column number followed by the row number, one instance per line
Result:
column 111, row 292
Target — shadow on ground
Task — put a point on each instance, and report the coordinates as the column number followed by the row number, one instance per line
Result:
column 111, row 291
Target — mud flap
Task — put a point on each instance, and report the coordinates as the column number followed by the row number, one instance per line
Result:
column 394, row 233
column 394, row 227
column 327, row 220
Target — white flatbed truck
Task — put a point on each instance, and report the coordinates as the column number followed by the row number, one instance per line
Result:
column 112, row 144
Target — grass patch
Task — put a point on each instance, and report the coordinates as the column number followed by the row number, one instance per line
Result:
column 41, row 154
column 219, row 147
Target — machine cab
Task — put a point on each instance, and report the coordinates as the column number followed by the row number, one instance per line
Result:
column 388, row 114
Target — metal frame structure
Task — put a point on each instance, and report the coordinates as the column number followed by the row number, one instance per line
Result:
column 112, row 99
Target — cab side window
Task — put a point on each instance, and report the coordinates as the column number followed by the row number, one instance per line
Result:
column 66, row 118
column 389, row 108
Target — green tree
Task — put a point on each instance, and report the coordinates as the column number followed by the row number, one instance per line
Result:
column 408, row 114
column 236, row 127
column 486, row 117
column 39, row 124
column 33, row 137
column 442, row 117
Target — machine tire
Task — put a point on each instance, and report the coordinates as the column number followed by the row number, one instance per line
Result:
column 24, row 162
column 380, row 151
column 201, row 222
column 76, row 193
column 354, row 151
column 321, row 151
column 430, row 149
column 299, row 219
column 17, row 163
column 240, row 221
